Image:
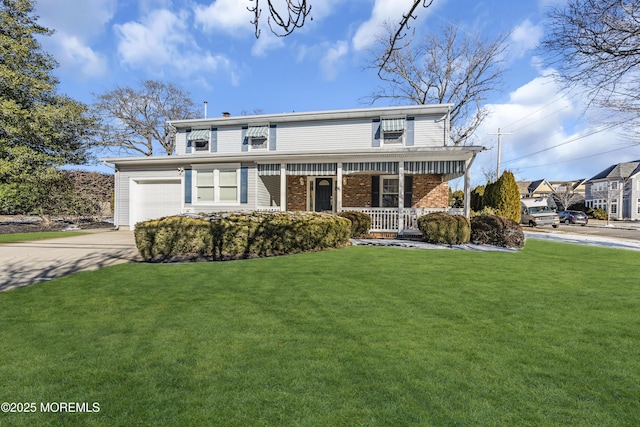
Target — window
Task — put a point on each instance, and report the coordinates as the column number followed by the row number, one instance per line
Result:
column 258, row 143
column 614, row 185
column 228, row 186
column 199, row 139
column 201, row 145
column 614, row 206
column 390, row 189
column 638, row 208
column 205, row 188
column 392, row 131
column 257, row 137
column 216, row 186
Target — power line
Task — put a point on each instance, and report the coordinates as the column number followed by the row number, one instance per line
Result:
column 578, row 158
column 564, row 143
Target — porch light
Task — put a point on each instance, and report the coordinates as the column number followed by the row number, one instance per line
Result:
column 301, row 180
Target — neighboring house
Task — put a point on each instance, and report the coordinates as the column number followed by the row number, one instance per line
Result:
column 537, row 189
column 567, row 193
column 391, row 163
column 616, row 190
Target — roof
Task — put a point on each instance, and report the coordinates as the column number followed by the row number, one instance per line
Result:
column 381, row 112
column 413, row 153
column 619, row 171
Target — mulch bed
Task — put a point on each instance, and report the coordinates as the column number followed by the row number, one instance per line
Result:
column 19, row 224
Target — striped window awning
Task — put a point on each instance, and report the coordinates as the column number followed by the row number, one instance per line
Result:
column 198, row 135
column 269, row 170
column 386, row 167
column 392, row 125
column 258, row 132
column 311, row 169
column 443, row 166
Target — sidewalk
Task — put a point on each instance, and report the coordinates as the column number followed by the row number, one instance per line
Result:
column 621, row 225
column 25, row 263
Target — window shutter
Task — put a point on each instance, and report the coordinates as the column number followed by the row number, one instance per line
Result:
column 187, row 186
column 408, row 191
column 244, row 185
column 272, row 137
column 375, row 191
column 214, row 140
column 375, row 133
column 409, row 131
column 245, row 140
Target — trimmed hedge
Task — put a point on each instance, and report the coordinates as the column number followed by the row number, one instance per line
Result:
column 239, row 235
column 439, row 227
column 497, row 231
column 360, row 222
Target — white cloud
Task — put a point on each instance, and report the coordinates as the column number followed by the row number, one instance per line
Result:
column 77, row 23
column 230, row 16
column 79, row 56
column 546, row 135
column 162, row 40
column 525, row 37
column 265, row 43
column 331, row 60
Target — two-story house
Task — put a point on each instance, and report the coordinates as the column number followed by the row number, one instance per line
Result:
column 392, row 163
column 616, row 190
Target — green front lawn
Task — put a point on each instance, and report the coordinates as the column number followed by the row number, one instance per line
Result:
column 24, row 237
column 547, row 336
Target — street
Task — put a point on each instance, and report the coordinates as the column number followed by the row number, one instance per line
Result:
column 618, row 234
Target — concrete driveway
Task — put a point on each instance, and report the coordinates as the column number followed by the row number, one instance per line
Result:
column 26, row 263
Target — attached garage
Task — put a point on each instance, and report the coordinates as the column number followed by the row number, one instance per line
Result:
column 154, row 198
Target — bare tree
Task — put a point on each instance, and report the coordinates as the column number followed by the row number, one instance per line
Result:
column 133, row 119
column 565, row 194
column 283, row 23
column 596, row 44
column 443, row 67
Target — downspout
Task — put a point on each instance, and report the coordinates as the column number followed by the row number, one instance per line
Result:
column 116, row 225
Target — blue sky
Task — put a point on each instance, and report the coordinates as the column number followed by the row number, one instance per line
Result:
column 209, row 49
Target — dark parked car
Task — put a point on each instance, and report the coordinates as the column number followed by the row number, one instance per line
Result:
column 573, row 217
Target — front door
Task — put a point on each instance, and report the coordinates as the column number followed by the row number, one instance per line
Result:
column 324, row 191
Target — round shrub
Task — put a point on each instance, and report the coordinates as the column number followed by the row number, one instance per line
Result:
column 439, row 227
column 230, row 235
column 598, row 213
column 497, row 231
column 360, row 222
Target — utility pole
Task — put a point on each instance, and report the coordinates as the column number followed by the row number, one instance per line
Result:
column 499, row 143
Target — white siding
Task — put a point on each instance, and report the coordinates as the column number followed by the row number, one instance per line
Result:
column 229, row 140
column 268, row 191
column 181, row 142
column 123, row 188
column 324, row 136
column 428, row 131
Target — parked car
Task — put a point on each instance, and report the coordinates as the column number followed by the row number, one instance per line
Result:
column 573, row 217
column 535, row 212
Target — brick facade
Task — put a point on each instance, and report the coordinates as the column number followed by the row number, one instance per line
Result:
column 429, row 191
column 296, row 193
column 356, row 191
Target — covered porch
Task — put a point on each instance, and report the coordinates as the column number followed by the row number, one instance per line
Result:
column 393, row 192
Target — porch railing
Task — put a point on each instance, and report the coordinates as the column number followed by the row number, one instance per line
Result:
column 385, row 220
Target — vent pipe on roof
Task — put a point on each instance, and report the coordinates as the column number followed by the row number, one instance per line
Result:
column 205, row 109
column 226, row 114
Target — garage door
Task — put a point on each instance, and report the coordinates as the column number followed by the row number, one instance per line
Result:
column 151, row 199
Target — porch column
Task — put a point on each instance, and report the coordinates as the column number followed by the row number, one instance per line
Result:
column 467, row 187
column 283, row 187
column 339, row 187
column 400, row 197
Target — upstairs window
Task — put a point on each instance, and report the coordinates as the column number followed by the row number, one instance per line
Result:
column 392, row 131
column 258, row 137
column 199, row 139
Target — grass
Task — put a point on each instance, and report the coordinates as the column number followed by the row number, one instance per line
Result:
column 24, row 237
column 358, row 336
